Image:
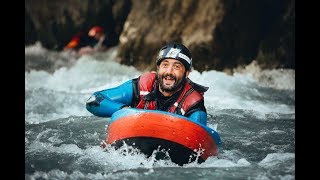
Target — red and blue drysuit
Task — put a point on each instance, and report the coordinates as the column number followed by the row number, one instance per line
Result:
column 143, row 93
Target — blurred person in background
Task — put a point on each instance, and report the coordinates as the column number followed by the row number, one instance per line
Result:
column 101, row 41
column 77, row 42
column 94, row 41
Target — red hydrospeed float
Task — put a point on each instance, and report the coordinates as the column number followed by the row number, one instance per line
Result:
column 148, row 130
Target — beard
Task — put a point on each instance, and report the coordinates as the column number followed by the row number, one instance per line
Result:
column 170, row 88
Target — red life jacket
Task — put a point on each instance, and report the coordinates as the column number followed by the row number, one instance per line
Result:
column 188, row 97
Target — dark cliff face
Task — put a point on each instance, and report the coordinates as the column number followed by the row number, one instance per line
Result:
column 256, row 30
column 220, row 34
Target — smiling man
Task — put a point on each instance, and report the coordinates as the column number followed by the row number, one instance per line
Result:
column 169, row 89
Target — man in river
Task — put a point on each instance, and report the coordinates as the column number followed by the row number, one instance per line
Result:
column 169, row 89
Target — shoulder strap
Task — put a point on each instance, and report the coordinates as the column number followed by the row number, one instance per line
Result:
column 188, row 98
column 146, row 83
column 145, row 86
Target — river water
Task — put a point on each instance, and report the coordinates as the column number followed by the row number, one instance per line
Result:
column 253, row 111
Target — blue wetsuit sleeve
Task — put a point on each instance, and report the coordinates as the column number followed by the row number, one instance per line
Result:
column 199, row 116
column 104, row 103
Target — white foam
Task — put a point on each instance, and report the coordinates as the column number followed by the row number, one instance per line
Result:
column 274, row 159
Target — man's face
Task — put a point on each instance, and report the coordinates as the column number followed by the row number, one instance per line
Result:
column 171, row 72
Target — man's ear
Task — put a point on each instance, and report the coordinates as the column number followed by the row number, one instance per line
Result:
column 187, row 73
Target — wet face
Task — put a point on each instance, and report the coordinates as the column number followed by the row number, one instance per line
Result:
column 171, row 73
